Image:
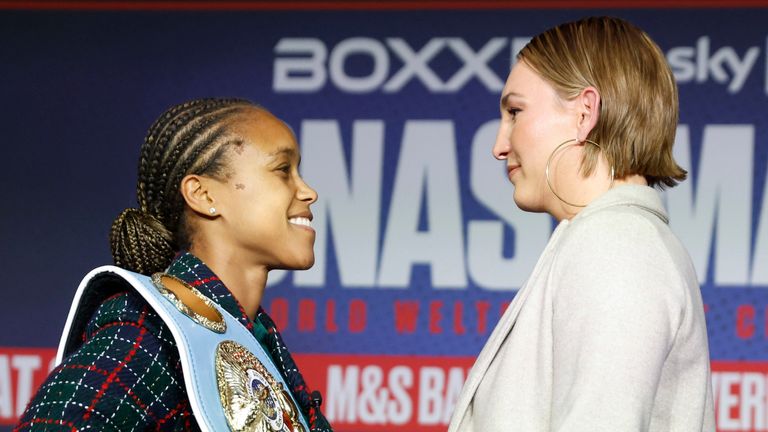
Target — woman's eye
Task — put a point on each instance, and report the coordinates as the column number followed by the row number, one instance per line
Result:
column 513, row 111
column 284, row 168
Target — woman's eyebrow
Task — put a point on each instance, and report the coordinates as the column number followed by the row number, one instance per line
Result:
column 505, row 99
column 288, row 151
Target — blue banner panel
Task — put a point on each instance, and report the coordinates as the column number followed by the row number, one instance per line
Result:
column 420, row 246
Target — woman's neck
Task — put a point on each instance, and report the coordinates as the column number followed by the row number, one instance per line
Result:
column 245, row 280
column 564, row 211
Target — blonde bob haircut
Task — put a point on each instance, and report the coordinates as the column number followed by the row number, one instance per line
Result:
column 639, row 106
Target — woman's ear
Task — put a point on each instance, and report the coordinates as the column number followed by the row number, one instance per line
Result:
column 198, row 195
column 588, row 106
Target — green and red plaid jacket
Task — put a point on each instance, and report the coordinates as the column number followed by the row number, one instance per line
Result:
column 127, row 374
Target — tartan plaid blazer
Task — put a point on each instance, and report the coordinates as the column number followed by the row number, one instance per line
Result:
column 126, row 375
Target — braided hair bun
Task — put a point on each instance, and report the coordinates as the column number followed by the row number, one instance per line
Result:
column 140, row 243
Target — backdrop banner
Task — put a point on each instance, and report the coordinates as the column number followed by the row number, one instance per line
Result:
column 420, row 246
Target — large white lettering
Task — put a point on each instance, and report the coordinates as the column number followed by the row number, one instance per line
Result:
column 342, row 393
column 475, row 64
column 6, row 395
column 304, row 74
column 379, row 395
column 752, row 407
column 427, row 166
column 300, row 64
column 711, row 212
column 26, row 365
column 17, row 382
column 438, row 396
column 722, row 204
column 349, row 201
column 415, row 64
column 304, row 64
column 400, row 410
column 760, row 254
column 359, row 46
column 431, row 384
column 740, row 401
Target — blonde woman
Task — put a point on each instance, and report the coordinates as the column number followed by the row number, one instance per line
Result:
column 608, row 333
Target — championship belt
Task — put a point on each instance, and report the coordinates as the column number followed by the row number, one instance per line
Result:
column 231, row 381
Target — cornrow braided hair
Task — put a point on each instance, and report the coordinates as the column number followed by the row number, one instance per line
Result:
column 190, row 138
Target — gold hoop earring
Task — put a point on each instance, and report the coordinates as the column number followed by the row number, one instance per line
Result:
column 549, row 161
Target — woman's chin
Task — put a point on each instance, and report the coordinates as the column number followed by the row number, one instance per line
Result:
column 525, row 203
column 298, row 263
column 307, row 265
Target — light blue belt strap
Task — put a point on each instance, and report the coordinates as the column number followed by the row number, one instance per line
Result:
column 197, row 347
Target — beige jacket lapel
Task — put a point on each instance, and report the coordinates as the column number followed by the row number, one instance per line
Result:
column 486, row 356
column 498, row 336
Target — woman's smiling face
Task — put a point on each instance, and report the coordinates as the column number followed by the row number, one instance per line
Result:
column 265, row 203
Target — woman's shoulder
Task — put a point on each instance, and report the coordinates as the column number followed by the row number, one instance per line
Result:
column 128, row 308
column 621, row 228
column 125, row 373
column 629, row 249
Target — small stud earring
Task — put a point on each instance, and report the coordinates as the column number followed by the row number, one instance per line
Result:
column 212, row 211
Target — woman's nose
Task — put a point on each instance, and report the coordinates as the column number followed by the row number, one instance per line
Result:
column 305, row 192
column 501, row 146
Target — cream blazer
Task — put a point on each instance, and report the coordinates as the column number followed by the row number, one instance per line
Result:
column 607, row 334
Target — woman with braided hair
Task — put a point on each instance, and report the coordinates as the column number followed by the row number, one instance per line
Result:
column 221, row 203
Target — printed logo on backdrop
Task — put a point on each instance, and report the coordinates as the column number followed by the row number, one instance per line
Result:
column 307, row 65
column 701, row 63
